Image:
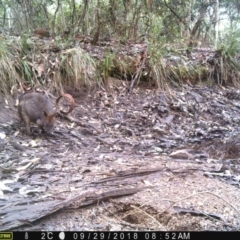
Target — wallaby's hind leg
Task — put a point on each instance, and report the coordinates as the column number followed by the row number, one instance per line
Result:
column 27, row 124
column 24, row 117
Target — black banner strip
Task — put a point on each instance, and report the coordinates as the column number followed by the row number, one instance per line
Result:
column 118, row 235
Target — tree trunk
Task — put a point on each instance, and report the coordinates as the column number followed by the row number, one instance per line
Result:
column 216, row 24
column 55, row 15
column 63, row 17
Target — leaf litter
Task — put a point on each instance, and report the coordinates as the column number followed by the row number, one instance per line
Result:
column 145, row 161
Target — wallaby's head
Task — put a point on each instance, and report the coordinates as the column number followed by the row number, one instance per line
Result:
column 49, row 120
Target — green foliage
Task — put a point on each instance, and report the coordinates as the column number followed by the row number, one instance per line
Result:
column 165, row 25
column 23, row 65
column 118, row 66
column 157, row 63
column 168, row 21
column 227, row 69
column 231, row 42
column 25, row 71
column 107, row 64
column 169, row 67
column 77, row 68
column 25, row 44
column 8, row 74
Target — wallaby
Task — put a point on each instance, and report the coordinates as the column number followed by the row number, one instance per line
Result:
column 37, row 108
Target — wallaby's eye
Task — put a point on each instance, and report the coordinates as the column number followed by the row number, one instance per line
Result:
column 45, row 114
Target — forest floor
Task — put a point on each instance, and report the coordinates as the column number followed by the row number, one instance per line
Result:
column 149, row 160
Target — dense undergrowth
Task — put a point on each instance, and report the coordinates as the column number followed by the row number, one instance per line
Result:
column 28, row 61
